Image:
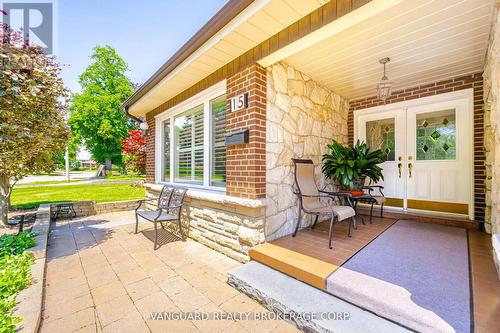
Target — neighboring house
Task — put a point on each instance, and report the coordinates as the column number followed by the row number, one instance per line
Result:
column 84, row 158
column 309, row 71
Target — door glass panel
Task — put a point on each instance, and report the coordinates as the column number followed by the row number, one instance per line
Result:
column 436, row 135
column 380, row 135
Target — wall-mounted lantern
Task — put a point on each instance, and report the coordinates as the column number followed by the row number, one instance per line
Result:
column 144, row 127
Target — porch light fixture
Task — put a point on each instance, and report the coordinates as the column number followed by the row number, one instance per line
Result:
column 144, row 127
column 384, row 86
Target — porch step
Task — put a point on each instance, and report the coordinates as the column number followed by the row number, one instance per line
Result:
column 302, row 267
column 459, row 222
column 288, row 297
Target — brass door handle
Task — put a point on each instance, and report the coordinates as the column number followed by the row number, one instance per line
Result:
column 400, row 166
column 410, row 168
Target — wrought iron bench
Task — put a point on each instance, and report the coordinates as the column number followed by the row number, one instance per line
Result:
column 168, row 209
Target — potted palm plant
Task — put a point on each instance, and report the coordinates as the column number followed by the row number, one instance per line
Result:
column 349, row 166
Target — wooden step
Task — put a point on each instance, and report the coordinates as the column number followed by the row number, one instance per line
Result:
column 460, row 222
column 302, row 267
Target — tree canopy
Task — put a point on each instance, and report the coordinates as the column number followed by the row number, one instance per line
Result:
column 97, row 117
column 32, row 112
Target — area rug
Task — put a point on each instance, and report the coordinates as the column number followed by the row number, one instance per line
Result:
column 415, row 274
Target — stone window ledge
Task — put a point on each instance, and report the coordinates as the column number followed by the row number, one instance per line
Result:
column 215, row 197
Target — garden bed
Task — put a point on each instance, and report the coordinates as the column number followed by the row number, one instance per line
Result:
column 22, row 266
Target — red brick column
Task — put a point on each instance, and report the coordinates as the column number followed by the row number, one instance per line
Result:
column 246, row 163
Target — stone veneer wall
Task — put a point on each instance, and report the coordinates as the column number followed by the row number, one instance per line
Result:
column 302, row 118
column 88, row 207
column 492, row 133
column 226, row 224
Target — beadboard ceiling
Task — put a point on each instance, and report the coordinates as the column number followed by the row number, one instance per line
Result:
column 426, row 40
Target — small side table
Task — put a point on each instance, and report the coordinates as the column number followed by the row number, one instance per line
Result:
column 65, row 208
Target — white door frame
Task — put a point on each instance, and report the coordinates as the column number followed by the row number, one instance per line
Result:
column 465, row 94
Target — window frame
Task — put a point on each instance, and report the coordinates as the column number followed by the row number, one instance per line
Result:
column 202, row 98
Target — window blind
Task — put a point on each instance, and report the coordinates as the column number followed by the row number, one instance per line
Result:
column 189, row 146
column 218, row 150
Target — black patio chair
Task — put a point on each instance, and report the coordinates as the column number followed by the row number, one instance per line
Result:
column 168, row 209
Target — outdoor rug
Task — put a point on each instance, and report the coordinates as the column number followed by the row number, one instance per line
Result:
column 415, row 274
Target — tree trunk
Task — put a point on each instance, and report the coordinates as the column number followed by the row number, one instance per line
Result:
column 5, row 191
column 108, row 167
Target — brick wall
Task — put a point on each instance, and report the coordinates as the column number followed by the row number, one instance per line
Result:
column 246, row 164
column 150, row 149
column 459, row 83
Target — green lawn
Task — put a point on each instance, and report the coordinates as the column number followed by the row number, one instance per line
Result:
column 50, row 182
column 130, row 176
column 30, row 197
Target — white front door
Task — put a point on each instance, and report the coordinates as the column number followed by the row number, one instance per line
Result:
column 428, row 143
column 385, row 131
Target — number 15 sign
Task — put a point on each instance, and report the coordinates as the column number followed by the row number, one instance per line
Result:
column 239, row 102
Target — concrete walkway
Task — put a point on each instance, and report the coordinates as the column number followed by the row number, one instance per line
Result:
column 103, row 277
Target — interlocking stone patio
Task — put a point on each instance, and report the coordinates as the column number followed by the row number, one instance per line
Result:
column 101, row 277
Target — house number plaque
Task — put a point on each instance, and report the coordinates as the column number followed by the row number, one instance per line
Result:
column 239, row 102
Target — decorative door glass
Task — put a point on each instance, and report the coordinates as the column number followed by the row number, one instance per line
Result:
column 436, row 135
column 380, row 135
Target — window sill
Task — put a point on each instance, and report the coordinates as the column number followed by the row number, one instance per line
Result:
column 216, row 196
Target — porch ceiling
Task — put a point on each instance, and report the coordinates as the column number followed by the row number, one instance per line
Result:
column 427, row 41
column 257, row 22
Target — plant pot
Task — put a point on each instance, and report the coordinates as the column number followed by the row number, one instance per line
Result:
column 353, row 193
column 357, row 189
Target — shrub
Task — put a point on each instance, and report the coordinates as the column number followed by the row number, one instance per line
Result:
column 15, row 275
column 16, row 244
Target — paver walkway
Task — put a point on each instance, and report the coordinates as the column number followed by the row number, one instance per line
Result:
column 101, row 277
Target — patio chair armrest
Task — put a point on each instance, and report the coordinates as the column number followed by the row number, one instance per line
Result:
column 371, row 187
column 159, row 214
column 176, row 206
column 314, row 196
column 140, row 202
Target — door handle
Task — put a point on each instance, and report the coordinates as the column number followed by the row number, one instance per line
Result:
column 410, row 167
column 400, row 166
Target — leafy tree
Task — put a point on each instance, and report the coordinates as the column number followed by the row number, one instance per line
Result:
column 134, row 150
column 97, row 117
column 32, row 112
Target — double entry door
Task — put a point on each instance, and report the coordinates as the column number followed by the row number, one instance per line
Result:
column 427, row 145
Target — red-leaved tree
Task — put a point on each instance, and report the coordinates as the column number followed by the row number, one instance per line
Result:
column 134, row 151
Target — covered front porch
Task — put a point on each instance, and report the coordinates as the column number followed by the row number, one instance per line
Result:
column 427, row 264
column 396, row 268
